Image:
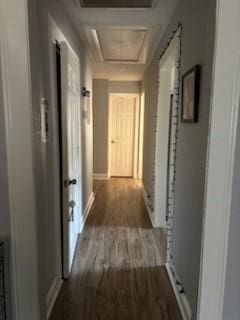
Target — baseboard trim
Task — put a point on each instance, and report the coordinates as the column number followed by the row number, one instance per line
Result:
column 150, row 212
column 87, row 209
column 53, row 294
column 182, row 300
column 101, row 176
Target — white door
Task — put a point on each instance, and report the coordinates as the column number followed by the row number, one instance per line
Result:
column 122, row 127
column 71, row 128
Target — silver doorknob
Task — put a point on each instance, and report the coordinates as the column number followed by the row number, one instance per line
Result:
column 72, row 205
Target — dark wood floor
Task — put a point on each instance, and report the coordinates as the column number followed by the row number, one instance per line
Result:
column 118, row 272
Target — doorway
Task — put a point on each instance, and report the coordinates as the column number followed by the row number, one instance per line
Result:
column 165, row 134
column 124, row 129
column 66, row 78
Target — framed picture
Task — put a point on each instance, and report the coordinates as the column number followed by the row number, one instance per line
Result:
column 190, row 94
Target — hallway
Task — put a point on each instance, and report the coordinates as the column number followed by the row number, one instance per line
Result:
column 118, row 271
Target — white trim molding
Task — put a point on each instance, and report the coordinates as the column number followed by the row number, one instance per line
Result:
column 221, row 155
column 181, row 298
column 53, row 294
column 101, row 176
column 166, row 131
column 18, row 117
column 87, row 210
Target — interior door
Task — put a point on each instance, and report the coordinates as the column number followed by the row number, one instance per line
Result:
column 122, row 122
column 71, row 156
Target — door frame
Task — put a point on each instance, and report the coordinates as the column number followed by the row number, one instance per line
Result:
column 56, row 35
column 18, row 118
column 161, row 165
column 141, row 134
column 59, row 113
column 136, row 132
column 219, row 193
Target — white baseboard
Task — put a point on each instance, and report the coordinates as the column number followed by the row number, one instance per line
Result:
column 53, row 294
column 150, row 212
column 182, row 300
column 101, row 176
column 87, row 209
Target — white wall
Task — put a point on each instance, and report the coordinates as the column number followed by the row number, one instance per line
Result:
column 231, row 309
column 124, row 86
column 198, row 20
column 46, row 156
column 100, row 126
column 87, row 166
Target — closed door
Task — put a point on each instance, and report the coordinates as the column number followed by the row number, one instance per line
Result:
column 71, row 156
column 122, row 127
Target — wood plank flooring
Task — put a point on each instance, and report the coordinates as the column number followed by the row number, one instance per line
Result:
column 118, row 272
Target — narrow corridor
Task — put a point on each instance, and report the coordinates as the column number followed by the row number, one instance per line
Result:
column 118, row 271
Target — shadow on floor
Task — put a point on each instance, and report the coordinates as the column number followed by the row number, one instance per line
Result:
column 121, row 294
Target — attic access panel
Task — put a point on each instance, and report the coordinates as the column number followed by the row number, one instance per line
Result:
column 116, row 3
column 121, row 45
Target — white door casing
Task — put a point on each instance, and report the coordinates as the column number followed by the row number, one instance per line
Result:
column 122, row 135
column 161, row 158
column 167, row 74
column 18, row 118
column 141, row 135
column 70, row 82
column 220, row 165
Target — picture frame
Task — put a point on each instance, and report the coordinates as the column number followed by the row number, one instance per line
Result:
column 191, row 94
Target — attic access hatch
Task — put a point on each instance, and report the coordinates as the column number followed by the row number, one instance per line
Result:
column 116, row 3
column 121, row 45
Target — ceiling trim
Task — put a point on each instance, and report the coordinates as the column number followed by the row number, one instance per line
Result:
column 94, row 46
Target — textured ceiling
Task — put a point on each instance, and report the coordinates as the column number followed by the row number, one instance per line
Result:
column 116, row 3
column 121, row 45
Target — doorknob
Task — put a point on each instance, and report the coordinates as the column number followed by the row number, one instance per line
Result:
column 67, row 182
column 112, row 141
column 73, row 181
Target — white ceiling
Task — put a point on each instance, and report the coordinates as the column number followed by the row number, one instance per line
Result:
column 121, row 42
